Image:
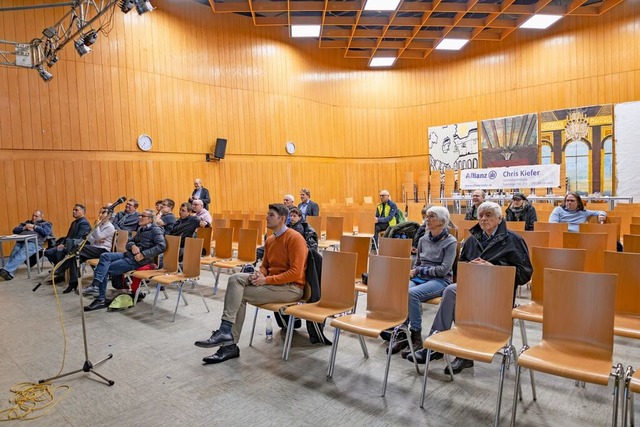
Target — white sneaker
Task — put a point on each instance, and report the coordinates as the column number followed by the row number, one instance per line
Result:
column 91, row 290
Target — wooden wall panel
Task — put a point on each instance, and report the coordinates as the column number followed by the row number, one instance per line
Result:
column 186, row 76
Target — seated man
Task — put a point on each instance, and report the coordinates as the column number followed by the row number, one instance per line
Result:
column 477, row 198
column 490, row 243
column 202, row 214
column 98, row 242
column 186, row 225
column 78, row 230
column 141, row 250
column 128, row 218
column 165, row 217
column 281, row 278
column 36, row 225
column 386, row 213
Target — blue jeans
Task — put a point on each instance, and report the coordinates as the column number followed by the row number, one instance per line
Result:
column 18, row 255
column 423, row 292
column 113, row 263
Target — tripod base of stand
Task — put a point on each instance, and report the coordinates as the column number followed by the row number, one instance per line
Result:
column 87, row 367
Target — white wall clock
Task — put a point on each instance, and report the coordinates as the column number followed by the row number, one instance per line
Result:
column 145, row 142
column 290, row 147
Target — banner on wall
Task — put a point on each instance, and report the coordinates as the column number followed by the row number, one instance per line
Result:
column 532, row 176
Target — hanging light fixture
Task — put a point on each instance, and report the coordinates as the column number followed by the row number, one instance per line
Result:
column 81, row 48
column 44, row 74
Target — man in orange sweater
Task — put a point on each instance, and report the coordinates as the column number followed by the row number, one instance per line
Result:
column 281, row 278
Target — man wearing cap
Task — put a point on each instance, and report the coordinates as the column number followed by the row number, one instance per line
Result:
column 477, row 198
column 521, row 209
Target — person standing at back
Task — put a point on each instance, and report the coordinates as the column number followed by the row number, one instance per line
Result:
column 306, row 205
column 200, row 193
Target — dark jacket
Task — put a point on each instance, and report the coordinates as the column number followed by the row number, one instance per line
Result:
column 122, row 221
column 528, row 215
column 472, row 213
column 150, row 240
column 185, row 228
column 78, row 230
column 43, row 229
column 308, row 232
column 204, row 196
column 169, row 220
column 504, row 248
column 312, row 209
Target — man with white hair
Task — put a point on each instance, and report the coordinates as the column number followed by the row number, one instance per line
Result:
column 490, row 243
column 200, row 193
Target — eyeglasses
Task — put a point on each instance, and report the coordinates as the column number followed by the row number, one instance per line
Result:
column 146, row 216
column 130, row 204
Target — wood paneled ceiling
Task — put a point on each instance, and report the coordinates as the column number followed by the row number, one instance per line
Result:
column 414, row 29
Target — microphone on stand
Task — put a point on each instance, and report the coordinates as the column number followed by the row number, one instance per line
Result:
column 115, row 204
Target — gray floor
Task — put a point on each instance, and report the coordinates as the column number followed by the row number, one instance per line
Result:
column 160, row 380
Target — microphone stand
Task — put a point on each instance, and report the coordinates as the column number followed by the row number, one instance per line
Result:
column 88, row 366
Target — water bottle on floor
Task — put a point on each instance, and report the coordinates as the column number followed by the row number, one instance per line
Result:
column 268, row 333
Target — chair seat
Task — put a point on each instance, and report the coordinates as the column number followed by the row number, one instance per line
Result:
column 361, row 287
column 531, row 312
column 434, row 301
column 569, row 361
column 364, row 324
column 207, row 260
column 93, row 262
column 148, row 274
column 172, row 278
column 275, row 306
column 634, row 383
column 627, row 325
column 468, row 343
column 231, row 263
column 314, row 312
column 323, row 244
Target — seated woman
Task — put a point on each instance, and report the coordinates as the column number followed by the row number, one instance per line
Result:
column 573, row 212
column 521, row 209
column 433, row 271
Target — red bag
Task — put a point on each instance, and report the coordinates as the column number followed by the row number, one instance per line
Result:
column 135, row 282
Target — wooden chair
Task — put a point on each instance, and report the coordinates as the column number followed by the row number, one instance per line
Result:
column 347, row 222
column 456, row 219
column 483, row 321
column 577, row 332
column 631, row 243
column 555, row 230
column 368, row 200
column 253, row 224
column 594, row 243
column 516, row 225
column 118, row 244
column 627, row 310
column 190, row 273
column 632, row 383
column 387, row 307
column 359, row 245
column 224, row 250
column 170, row 265
column 246, row 254
column 205, row 234
column 534, row 238
column 367, row 226
column 337, row 294
column 634, row 229
column 237, row 225
column 316, row 223
column 463, row 228
column 399, row 248
column 635, row 220
column 334, row 233
column 612, row 230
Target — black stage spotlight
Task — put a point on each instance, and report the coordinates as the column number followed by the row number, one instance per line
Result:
column 82, row 48
column 44, row 74
column 50, row 32
column 143, row 6
column 90, row 38
column 126, row 5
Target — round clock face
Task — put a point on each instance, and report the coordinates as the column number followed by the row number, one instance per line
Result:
column 144, row 142
column 290, row 147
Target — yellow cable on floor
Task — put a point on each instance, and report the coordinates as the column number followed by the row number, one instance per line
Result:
column 29, row 398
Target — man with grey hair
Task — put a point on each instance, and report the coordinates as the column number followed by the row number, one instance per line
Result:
column 477, row 198
column 202, row 214
column 128, row 218
column 38, row 226
column 386, row 212
column 200, row 193
column 490, row 243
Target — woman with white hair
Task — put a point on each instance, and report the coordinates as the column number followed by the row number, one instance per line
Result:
column 432, row 273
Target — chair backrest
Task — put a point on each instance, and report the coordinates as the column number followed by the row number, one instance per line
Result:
column 191, row 257
column 334, row 227
column 595, row 245
column 485, row 296
column 359, row 245
column 597, row 206
column 347, row 221
column 579, row 308
column 368, row 200
column 348, row 201
column 170, row 257
column 247, row 245
column 236, row 224
column 224, row 242
column 316, row 223
column 219, row 223
column 534, row 238
column 387, row 290
column 463, row 228
column 366, row 223
column 635, row 219
column 612, row 230
column 456, row 219
column 627, row 267
column 205, row 234
column 257, row 225
column 541, row 258
column 634, row 228
column 400, row 248
column 336, row 283
column 120, row 241
column 555, row 232
column 516, row 225
column 631, row 243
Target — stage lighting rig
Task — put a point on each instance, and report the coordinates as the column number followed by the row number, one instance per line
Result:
column 81, row 48
column 127, row 5
column 143, row 6
column 44, row 74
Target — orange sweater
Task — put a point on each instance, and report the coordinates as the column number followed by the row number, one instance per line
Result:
column 285, row 259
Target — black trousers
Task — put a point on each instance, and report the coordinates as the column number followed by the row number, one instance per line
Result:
column 88, row 252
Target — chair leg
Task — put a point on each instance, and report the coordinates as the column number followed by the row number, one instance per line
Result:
column 363, row 346
column 503, row 367
column 155, row 298
column 413, row 350
column 426, row 373
column 514, row 407
column 448, row 360
column 195, row 283
column 525, row 345
column 355, row 302
column 288, row 338
column 180, row 285
column 386, row 368
column 334, row 350
column 215, row 286
column 253, row 328
column 618, row 378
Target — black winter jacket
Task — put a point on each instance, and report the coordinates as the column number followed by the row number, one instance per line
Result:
column 150, row 240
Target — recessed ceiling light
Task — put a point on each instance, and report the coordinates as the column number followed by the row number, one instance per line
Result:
column 381, row 5
column 540, row 21
column 451, row 44
column 305, row 30
column 382, row 61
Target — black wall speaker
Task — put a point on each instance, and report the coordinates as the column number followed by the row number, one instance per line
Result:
column 220, row 148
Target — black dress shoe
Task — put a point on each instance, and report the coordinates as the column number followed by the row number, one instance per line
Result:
column 217, row 338
column 97, row 304
column 421, row 356
column 458, row 365
column 72, row 287
column 224, row 353
column 5, row 274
